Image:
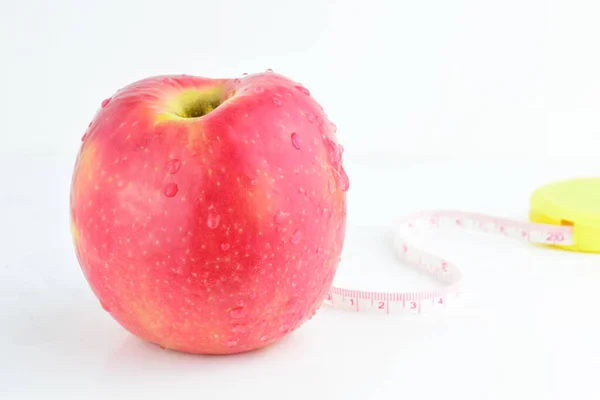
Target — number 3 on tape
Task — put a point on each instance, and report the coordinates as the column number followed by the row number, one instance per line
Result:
column 562, row 214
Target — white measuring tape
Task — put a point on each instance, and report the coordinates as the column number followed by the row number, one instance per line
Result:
column 432, row 300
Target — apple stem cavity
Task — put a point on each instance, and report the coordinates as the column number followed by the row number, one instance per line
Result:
column 195, row 103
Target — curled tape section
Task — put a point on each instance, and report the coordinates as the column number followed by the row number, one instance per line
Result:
column 449, row 274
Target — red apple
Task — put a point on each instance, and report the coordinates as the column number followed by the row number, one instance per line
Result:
column 208, row 215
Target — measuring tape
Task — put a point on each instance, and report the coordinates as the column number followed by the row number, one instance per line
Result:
column 563, row 214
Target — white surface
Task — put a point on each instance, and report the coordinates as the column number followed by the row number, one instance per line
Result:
column 403, row 81
column 527, row 327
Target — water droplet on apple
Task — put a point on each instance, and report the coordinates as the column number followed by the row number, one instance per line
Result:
column 296, row 236
column 265, row 338
column 277, row 101
column 335, row 155
column 269, row 70
column 225, row 246
column 320, row 251
column 239, row 328
column 295, row 140
column 105, row 102
column 303, row 90
column 281, row 216
column 310, row 117
column 344, row 181
column 232, row 343
column 236, row 81
column 90, row 124
column 253, row 182
column 84, row 137
column 331, row 184
column 259, row 89
column 213, row 220
column 171, row 189
column 292, row 304
column 284, row 328
column 333, row 127
column 173, row 166
column 105, row 306
column 237, row 312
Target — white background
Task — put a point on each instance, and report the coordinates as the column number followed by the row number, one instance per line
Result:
column 452, row 104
